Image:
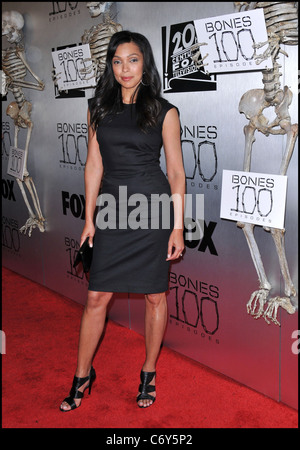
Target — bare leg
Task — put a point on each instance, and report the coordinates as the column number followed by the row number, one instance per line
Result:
column 91, row 329
column 155, row 325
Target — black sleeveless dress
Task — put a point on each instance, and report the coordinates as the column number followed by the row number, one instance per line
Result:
column 135, row 215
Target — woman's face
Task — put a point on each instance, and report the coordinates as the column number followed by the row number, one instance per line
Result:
column 127, row 65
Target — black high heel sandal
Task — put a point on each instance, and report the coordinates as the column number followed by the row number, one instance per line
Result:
column 145, row 388
column 75, row 393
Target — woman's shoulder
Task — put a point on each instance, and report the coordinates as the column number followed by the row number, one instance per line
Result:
column 166, row 106
column 91, row 102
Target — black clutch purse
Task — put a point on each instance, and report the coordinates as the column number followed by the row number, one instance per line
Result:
column 84, row 256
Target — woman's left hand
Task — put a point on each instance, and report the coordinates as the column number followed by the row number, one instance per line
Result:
column 176, row 245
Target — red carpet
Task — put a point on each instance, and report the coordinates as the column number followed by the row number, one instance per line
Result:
column 41, row 329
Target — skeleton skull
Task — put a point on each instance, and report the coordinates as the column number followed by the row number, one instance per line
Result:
column 12, row 23
column 97, row 8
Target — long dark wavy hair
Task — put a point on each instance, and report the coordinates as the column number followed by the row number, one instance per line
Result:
column 108, row 98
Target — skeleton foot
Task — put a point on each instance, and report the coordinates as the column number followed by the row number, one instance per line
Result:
column 272, row 308
column 32, row 223
column 259, row 297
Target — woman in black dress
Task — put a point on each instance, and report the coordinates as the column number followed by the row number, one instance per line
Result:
column 129, row 122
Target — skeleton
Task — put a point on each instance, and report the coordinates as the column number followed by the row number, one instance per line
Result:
column 282, row 28
column 15, row 69
column 98, row 37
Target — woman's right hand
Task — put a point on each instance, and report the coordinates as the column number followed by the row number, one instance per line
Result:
column 88, row 231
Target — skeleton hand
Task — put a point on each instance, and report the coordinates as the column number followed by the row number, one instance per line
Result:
column 198, row 61
column 32, row 223
column 259, row 296
column 56, row 77
column 273, row 305
column 91, row 69
column 271, row 312
column 271, row 51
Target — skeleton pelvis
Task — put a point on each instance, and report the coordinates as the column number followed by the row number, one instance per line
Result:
column 21, row 116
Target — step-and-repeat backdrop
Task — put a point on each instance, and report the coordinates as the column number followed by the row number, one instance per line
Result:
column 211, row 286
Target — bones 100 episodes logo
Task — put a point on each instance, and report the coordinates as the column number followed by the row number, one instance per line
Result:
column 63, row 10
column 73, row 204
column 200, row 157
column 72, row 145
column 75, row 274
column 71, row 63
column 10, row 235
column 193, row 306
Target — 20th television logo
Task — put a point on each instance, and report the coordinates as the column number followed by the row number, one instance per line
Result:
column 179, row 71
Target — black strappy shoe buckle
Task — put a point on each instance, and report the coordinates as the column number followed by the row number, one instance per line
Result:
column 75, row 393
column 145, row 388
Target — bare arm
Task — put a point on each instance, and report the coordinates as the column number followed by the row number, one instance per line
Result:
column 176, row 177
column 92, row 179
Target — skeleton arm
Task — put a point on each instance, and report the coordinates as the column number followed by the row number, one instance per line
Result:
column 27, row 84
column 3, row 83
column 196, row 56
column 272, row 50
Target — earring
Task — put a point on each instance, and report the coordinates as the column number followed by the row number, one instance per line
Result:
column 143, row 82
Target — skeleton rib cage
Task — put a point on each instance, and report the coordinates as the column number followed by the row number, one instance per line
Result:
column 281, row 18
column 15, row 70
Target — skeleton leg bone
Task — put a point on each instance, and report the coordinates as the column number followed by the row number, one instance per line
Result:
column 35, row 219
column 16, row 136
column 278, row 237
column 20, row 184
column 249, row 131
column 289, row 289
column 259, row 297
column 30, row 126
column 292, row 134
column 33, row 192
